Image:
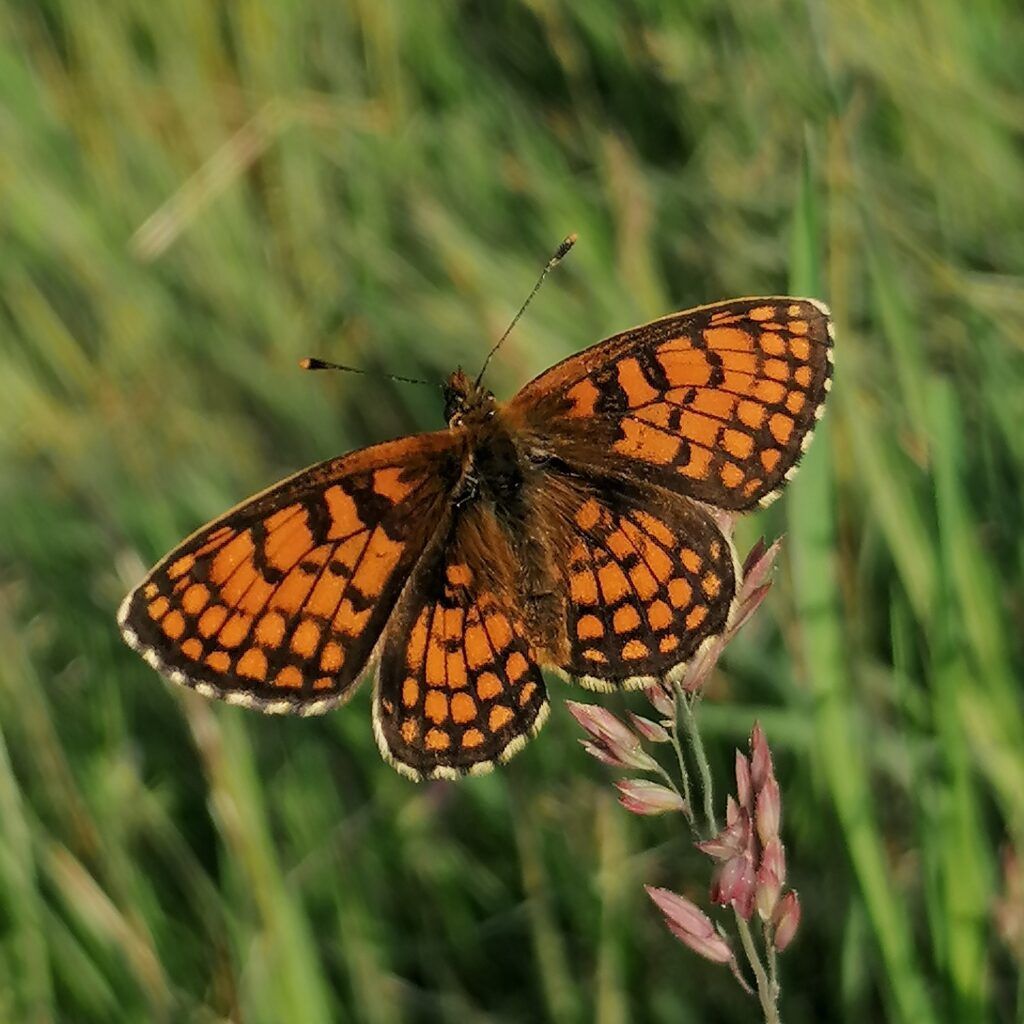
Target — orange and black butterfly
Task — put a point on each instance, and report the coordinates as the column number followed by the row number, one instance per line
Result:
column 569, row 528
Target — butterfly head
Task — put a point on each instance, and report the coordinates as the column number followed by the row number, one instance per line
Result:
column 465, row 401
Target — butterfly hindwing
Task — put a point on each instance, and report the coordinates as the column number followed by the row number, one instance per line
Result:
column 279, row 604
column 647, row 574
column 459, row 688
column 716, row 403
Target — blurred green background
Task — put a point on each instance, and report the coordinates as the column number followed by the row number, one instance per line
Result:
column 194, row 195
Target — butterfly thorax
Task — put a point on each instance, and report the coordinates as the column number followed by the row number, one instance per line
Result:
column 466, row 403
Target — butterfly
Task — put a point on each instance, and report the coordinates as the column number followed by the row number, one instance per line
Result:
column 572, row 527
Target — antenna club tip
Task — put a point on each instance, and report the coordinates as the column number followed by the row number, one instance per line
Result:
column 567, row 243
column 306, row 364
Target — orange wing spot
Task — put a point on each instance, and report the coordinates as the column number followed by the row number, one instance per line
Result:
column 499, row 630
column 150, row 590
column 715, row 550
column 583, row 587
column 192, row 648
column 644, row 583
column 379, row 561
column 253, row 663
column 194, row 599
column 499, row 716
column 781, row 427
column 410, row 692
column 291, row 592
column 234, row 589
column 653, row 556
column 770, row 392
column 697, row 616
column 459, row 575
column 728, row 338
column 516, row 667
column 289, row 677
column 476, row 647
column 643, row 441
column 291, row 542
column 795, row 309
column 762, row 312
column 625, row 619
column 583, row 396
column 750, row 413
column 332, row 657
column 417, row 645
column 684, row 367
column 437, row 739
column 238, row 550
column 732, row 475
column 593, row 654
column 488, row 685
column 770, row 458
column 634, row 650
column 181, row 566
column 254, row 600
column 410, row 730
column 341, row 508
column 654, row 526
column 802, row 375
column 270, row 629
column 660, row 415
column 717, row 405
column 619, row 544
column 157, row 608
column 614, row 585
column 235, row 630
column 390, row 484
column 173, row 624
column 435, row 706
column 798, row 327
column 738, row 443
column 463, row 708
column 751, row 486
column 690, row 559
column 306, row 638
column 773, row 344
column 433, row 668
column 455, row 667
column 711, row 584
column 634, row 383
column 589, row 627
column 589, row 515
column 795, row 401
column 525, row 693
column 801, row 348
column 699, row 465
column 659, row 615
column 323, row 683
column 219, row 661
column 679, row 593
column 776, row 369
column 667, row 644
column 280, row 517
column 472, row 738
column 349, row 621
column 738, row 366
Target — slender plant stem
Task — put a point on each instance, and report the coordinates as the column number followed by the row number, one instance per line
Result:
column 684, row 773
column 765, row 990
column 693, row 735
column 773, row 962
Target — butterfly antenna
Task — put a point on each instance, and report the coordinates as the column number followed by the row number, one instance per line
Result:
column 560, row 252
column 312, row 363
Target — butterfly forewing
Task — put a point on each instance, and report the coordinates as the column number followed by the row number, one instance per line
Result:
column 716, row 403
column 279, row 603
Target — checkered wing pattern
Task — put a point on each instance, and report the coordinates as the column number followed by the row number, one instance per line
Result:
column 647, row 575
column 459, row 688
column 716, row 403
column 279, row 604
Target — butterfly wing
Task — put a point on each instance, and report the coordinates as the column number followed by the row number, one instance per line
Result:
column 278, row 604
column 716, row 403
column 647, row 576
column 459, row 688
